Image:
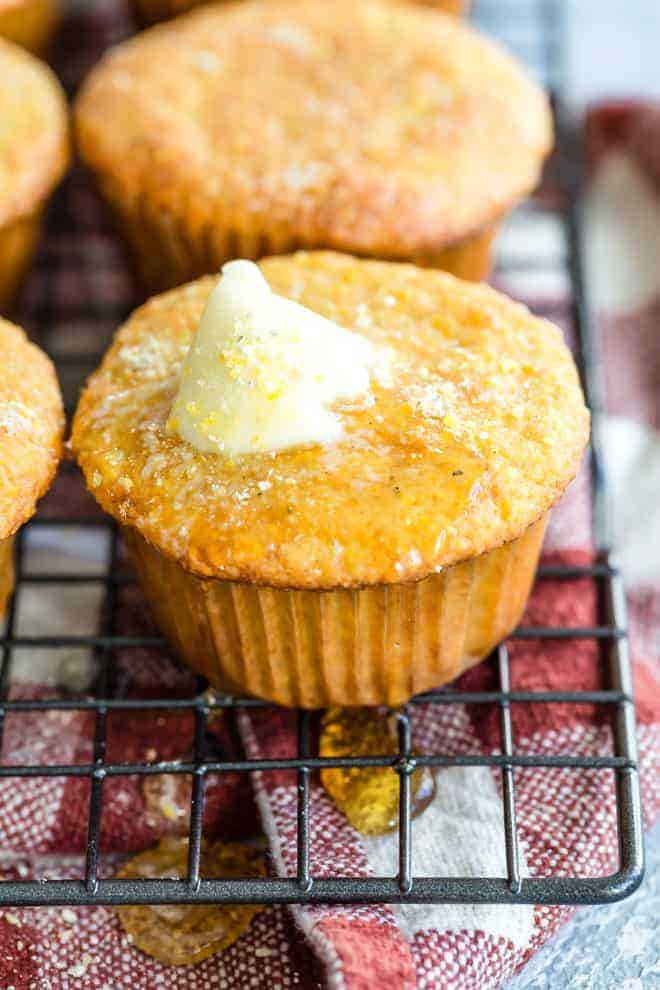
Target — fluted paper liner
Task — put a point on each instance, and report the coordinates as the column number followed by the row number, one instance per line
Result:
column 6, row 572
column 17, row 244
column 168, row 251
column 380, row 644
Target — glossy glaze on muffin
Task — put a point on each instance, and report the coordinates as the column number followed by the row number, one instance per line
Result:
column 477, row 432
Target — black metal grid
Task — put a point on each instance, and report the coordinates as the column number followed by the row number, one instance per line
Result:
column 533, row 30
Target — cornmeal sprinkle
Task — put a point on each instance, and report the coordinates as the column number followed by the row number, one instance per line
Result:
column 471, row 435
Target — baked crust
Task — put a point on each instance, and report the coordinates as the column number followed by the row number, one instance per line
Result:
column 477, row 434
column 285, row 120
column 31, row 426
column 34, row 142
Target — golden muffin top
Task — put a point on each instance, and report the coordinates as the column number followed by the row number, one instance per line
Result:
column 34, row 144
column 476, row 432
column 155, row 10
column 31, row 425
column 376, row 127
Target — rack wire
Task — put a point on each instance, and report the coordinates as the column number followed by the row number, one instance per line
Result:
column 533, row 30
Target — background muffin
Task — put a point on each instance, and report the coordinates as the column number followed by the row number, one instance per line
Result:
column 151, row 11
column 449, row 6
column 31, row 423
column 240, row 130
column 30, row 23
column 34, row 152
column 364, row 570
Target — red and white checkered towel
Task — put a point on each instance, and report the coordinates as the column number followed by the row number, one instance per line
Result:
column 565, row 817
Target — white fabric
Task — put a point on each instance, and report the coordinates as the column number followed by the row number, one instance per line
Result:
column 623, row 227
column 460, row 834
column 632, row 453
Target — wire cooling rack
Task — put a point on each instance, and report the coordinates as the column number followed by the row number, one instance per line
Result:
column 532, row 28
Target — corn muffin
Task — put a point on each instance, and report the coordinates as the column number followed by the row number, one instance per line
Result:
column 382, row 129
column 457, row 7
column 29, row 23
column 319, row 551
column 34, row 152
column 31, row 424
column 151, row 11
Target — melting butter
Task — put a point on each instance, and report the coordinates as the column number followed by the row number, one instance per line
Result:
column 263, row 372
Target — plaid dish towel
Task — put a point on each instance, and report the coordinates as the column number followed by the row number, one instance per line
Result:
column 565, row 818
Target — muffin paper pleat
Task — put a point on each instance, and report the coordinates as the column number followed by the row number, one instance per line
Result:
column 366, row 646
column 6, row 572
column 167, row 251
column 17, row 244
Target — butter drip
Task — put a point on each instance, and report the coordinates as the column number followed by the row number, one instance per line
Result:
column 263, row 372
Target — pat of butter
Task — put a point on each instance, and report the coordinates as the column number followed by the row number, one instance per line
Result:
column 263, row 372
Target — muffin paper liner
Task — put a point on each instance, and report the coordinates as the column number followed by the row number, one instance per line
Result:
column 31, row 24
column 166, row 251
column 6, row 572
column 374, row 645
column 18, row 241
